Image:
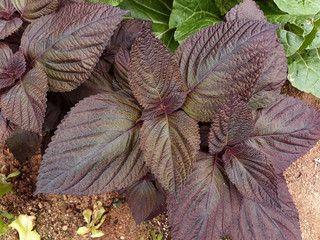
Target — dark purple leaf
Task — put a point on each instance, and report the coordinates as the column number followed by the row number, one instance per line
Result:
column 58, row 104
column 207, row 204
column 8, row 23
column 204, row 136
column 6, row 128
column 247, row 9
column 260, row 221
column 16, row 66
column 220, row 59
column 154, row 76
column 231, row 125
column 24, row 104
column 274, row 69
column 141, row 197
column 24, row 144
column 121, row 68
column 62, row 3
column 170, row 144
column 285, row 131
column 251, row 172
column 95, row 149
column 5, row 55
column 67, row 44
column 30, row 10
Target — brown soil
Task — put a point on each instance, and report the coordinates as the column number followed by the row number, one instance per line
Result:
column 59, row 216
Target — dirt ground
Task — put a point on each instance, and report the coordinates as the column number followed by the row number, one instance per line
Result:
column 59, row 216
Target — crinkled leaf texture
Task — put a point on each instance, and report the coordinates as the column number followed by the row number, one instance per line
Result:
column 252, row 173
column 154, row 76
column 220, row 59
column 14, row 69
column 285, row 131
column 8, row 23
column 24, row 144
column 143, row 199
column 170, row 144
column 231, row 125
column 67, row 44
column 6, row 128
column 274, row 69
column 30, row 10
column 260, row 221
column 24, row 104
column 95, row 149
column 207, row 204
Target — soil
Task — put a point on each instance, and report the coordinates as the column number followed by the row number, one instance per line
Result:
column 59, row 216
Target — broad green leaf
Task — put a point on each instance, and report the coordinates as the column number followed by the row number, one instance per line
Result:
column 189, row 16
column 303, row 71
column 291, row 41
column 154, row 76
column 67, row 44
column 299, row 7
column 24, row 104
column 3, row 227
column 95, row 149
column 110, row 2
column 225, row 5
column 83, row 230
column 24, row 225
column 170, row 144
column 157, row 11
column 30, row 10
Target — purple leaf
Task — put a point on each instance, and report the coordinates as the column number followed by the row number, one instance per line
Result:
column 274, row 69
column 24, row 144
column 207, row 204
column 204, row 136
column 62, row 3
column 16, row 66
column 247, row 9
column 252, row 174
column 30, row 10
column 8, row 23
column 24, row 104
column 260, row 221
column 231, row 125
column 170, row 144
column 220, row 59
column 5, row 55
column 95, row 149
column 67, row 44
column 6, row 128
column 285, row 131
column 121, row 68
column 154, row 76
column 141, row 197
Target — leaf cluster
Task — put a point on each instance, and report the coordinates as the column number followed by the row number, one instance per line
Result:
column 204, row 131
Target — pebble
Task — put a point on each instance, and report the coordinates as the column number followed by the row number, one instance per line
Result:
column 121, row 237
column 64, row 228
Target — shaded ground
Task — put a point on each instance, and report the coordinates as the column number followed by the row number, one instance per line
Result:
column 59, row 216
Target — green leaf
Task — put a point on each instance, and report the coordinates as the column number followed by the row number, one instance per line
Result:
column 3, row 227
column 83, row 230
column 192, row 15
column 157, row 11
column 5, row 186
column 299, row 7
column 14, row 174
column 110, row 2
column 303, row 71
column 291, row 41
column 24, row 225
column 225, row 5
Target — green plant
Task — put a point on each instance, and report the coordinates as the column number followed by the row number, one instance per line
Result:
column 155, row 236
column 24, row 225
column 92, row 219
column 5, row 184
column 3, row 226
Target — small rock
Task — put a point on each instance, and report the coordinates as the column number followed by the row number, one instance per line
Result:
column 64, row 228
column 121, row 237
